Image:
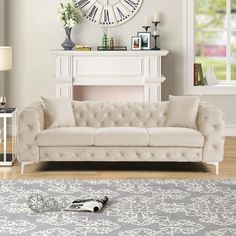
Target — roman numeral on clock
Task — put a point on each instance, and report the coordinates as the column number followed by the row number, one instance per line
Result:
column 131, row 3
column 106, row 17
column 93, row 12
column 82, row 3
column 120, row 12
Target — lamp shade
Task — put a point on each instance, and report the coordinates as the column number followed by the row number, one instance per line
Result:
column 5, row 58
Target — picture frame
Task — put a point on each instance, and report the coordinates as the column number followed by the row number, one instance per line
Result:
column 136, row 43
column 145, row 40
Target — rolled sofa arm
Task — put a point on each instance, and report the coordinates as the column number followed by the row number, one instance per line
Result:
column 211, row 124
column 30, row 123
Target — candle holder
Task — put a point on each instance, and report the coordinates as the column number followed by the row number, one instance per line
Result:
column 146, row 28
column 155, row 38
column 156, row 23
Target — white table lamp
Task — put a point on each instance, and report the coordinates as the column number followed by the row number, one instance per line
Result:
column 5, row 64
column 5, row 58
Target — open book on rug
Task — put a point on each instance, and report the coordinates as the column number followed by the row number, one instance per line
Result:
column 87, row 205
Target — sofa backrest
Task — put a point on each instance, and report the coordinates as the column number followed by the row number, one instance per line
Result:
column 102, row 114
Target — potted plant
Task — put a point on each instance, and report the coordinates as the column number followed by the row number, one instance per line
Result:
column 68, row 16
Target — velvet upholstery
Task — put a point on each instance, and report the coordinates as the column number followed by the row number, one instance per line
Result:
column 99, row 118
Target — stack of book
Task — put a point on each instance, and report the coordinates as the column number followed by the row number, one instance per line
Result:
column 198, row 75
column 82, row 48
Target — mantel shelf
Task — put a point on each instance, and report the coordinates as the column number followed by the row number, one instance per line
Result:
column 163, row 52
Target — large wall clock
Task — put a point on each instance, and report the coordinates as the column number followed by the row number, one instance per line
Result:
column 108, row 12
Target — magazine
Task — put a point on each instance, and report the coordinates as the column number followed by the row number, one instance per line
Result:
column 87, row 205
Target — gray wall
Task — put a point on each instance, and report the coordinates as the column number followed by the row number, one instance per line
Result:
column 2, row 37
column 33, row 30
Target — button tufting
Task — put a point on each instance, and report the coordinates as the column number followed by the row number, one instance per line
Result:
column 141, row 115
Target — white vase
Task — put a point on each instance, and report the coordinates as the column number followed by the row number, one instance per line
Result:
column 210, row 76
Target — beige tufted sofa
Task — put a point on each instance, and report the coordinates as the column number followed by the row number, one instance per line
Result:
column 121, row 132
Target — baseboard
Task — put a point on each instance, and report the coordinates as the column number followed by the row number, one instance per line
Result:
column 230, row 130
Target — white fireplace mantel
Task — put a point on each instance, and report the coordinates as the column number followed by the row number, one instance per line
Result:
column 98, row 68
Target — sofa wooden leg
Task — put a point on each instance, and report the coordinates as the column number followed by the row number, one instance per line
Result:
column 217, row 165
column 22, row 166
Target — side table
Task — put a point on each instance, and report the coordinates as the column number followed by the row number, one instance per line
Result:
column 8, row 142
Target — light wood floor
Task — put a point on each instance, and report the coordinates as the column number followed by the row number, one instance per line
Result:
column 9, row 145
column 127, row 170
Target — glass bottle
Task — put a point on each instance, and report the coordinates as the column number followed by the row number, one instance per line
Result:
column 105, row 39
column 112, row 43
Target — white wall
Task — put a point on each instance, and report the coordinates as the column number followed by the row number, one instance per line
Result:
column 2, row 37
column 33, row 30
column 226, row 104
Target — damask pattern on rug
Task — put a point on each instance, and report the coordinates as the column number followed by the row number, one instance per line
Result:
column 135, row 208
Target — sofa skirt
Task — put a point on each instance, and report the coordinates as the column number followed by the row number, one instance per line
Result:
column 121, row 154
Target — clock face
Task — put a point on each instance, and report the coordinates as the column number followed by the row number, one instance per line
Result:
column 108, row 12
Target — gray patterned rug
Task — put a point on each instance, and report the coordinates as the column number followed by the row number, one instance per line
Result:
column 136, row 208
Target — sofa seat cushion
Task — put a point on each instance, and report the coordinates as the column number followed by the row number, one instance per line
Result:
column 175, row 137
column 67, row 136
column 121, row 136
